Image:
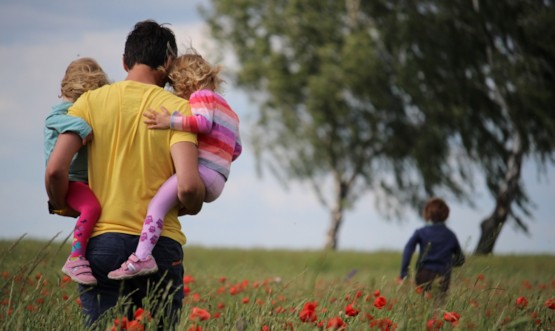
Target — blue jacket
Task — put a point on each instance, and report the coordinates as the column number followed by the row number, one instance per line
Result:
column 439, row 249
column 58, row 122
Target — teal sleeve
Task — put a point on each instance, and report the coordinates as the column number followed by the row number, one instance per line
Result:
column 63, row 123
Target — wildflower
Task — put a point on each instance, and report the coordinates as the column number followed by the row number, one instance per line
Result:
column 380, row 302
column 142, row 315
column 199, row 313
column 188, row 279
column 265, row 328
column 434, row 324
column 383, row 324
column 377, row 293
column 521, row 302
column 246, row 300
column 336, row 323
column 194, row 328
column 451, row 317
column 135, row 326
column 550, row 303
column 350, row 310
column 186, row 290
column 222, row 279
column 119, row 324
column 308, row 313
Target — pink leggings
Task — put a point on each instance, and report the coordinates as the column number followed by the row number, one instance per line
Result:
column 166, row 199
column 82, row 199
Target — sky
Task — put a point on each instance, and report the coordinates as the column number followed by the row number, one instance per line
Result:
column 38, row 39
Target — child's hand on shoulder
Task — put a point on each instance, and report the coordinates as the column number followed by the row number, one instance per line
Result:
column 157, row 120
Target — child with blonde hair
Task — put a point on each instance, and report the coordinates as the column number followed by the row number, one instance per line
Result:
column 219, row 144
column 439, row 248
column 81, row 75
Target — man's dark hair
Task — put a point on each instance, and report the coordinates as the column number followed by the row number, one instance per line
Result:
column 149, row 43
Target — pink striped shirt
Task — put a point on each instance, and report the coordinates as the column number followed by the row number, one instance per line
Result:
column 217, row 126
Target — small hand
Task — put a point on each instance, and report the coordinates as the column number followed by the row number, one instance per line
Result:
column 156, row 120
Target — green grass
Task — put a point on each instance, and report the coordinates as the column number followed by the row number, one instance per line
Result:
column 269, row 288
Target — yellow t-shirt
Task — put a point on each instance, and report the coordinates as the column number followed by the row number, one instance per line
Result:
column 127, row 161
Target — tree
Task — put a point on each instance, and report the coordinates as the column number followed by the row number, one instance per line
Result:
column 400, row 98
column 491, row 67
column 330, row 110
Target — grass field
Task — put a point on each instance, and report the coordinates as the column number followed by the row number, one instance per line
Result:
column 293, row 290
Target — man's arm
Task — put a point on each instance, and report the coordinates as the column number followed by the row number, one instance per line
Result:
column 190, row 189
column 57, row 169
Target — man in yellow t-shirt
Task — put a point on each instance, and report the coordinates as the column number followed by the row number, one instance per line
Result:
column 127, row 165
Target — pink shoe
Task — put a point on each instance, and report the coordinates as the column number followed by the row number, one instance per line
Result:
column 134, row 267
column 79, row 271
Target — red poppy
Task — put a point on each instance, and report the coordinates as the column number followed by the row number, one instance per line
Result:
column 308, row 313
column 245, row 300
column 451, row 317
column 194, row 328
column 265, row 328
column 350, row 310
column 384, row 324
column 434, row 324
column 550, row 303
column 380, row 302
column 336, row 323
column 135, row 326
column 142, row 315
column 521, row 302
column 199, row 313
column 188, row 279
column 377, row 293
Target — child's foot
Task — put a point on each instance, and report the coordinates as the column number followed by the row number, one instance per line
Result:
column 134, row 267
column 79, row 271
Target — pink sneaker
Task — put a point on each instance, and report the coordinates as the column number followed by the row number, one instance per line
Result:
column 79, row 271
column 134, row 267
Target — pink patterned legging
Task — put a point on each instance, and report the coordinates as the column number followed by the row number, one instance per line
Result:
column 165, row 199
column 82, row 199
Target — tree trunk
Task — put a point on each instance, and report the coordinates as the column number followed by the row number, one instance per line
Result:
column 333, row 232
column 342, row 189
column 491, row 226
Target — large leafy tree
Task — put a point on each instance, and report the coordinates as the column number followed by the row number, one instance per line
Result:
column 491, row 67
column 396, row 97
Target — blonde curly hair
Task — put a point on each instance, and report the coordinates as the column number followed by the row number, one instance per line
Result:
column 190, row 72
column 82, row 75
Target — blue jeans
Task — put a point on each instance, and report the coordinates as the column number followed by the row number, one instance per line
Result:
column 107, row 252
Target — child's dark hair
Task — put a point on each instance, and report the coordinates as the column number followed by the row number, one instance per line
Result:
column 151, row 44
column 435, row 210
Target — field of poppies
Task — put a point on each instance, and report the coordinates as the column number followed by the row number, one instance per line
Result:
column 240, row 290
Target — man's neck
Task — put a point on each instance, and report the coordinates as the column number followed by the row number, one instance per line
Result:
column 144, row 74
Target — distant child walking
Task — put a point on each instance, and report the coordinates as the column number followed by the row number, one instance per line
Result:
column 219, row 143
column 439, row 249
column 81, row 75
